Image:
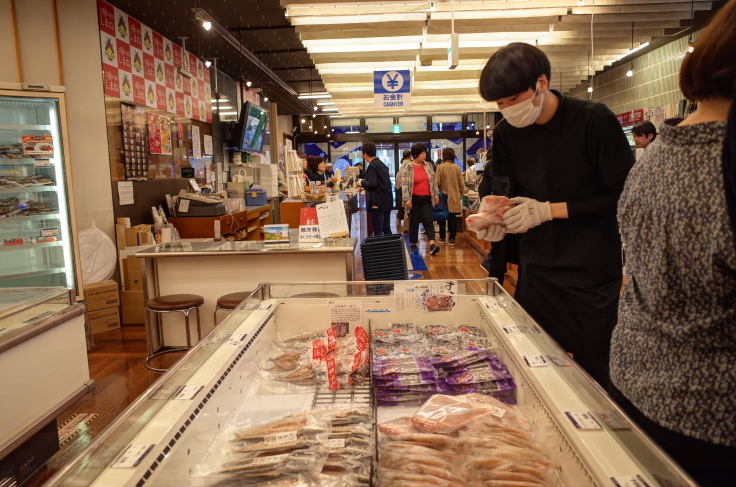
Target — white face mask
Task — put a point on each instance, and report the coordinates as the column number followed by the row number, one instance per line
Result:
column 525, row 113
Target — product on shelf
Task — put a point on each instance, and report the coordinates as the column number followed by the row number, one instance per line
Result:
column 14, row 207
column 25, row 181
column 468, row 440
column 315, row 359
column 412, row 363
column 490, row 212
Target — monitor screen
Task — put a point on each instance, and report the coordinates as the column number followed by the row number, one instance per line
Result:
column 253, row 120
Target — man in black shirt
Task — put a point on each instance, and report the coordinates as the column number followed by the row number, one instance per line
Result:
column 569, row 158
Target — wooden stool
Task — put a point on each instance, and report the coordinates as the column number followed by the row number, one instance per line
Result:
column 230, row 301
column 174, row 303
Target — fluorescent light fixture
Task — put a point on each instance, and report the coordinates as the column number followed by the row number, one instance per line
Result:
column 325, row 103
column 222, row 108
column 313, row 95
column 641, row 46
column 330, row 109
column 352, row 132
column 228, row 113
column 221, row 99
column 207, row 25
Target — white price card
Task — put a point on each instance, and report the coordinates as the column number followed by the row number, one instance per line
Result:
column 583, row 421
column 336, row 443
column 559, row 361
column 264, row 306
column 629, row 481
column 493, row 305
column 236, row 340
column 270, row 460
column 132, row 456
column 498, row 412
column 42, row 163
column 535, row 360
column 188, row 392
column 50, row 232
column 283, row 437
column 184, row 206
column 512, row 330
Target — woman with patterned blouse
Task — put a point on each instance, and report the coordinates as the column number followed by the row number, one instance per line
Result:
column 673, row 354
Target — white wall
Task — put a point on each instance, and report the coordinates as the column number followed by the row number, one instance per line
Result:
column 30, row 43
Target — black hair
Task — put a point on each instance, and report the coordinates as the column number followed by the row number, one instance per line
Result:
column 448, row 154
column 313, row 162
column 406, row 155
column 513, row 69
column 417, row 149
column 369, row 149
column 642, row 129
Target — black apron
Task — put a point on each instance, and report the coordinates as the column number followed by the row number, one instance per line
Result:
column 571, row 269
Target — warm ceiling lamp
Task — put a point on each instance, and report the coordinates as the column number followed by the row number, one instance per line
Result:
column 208, row 63
column 630, row 72
column 207, row 25
column 248, row 83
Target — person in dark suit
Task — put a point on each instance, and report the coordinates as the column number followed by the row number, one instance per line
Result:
column 378, row 190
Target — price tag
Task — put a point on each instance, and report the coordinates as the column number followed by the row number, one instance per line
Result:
column 559, row 361
column 236, row 340
column 42, row 163
column 512, row 330
column 188, row 392
column 629, row 481
column 50, row 232
column 498, row 412
column 535, row 360
column 336, row 443
column 132, row 456
column 183, row 205
column 493, row 305
column 264, row 306
column 270, row 460
column 583, row 421
column 614, row 421
column 276, row 438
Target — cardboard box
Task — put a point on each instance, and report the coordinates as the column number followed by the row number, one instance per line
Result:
column 131, row 234
column 133, row 308
column 101, row 295
column 120, row 236
column 145, row 238
column 103, row 320
column 134, row 281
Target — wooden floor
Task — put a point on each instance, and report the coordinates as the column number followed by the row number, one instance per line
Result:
column 117, row 360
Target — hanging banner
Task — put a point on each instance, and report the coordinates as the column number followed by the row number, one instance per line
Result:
column 154, row 134
column 196, row 143
column 392, row 89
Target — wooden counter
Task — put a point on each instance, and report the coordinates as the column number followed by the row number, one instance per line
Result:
column 246, row 225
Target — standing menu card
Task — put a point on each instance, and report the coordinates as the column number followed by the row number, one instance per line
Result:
column 332, row 220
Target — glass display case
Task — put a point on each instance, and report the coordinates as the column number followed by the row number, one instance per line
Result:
column 36, row 221
column 193, row 419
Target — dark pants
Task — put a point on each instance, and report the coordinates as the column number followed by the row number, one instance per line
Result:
column 709, row 464
column 399, row 205
column 381, row 222
column 421, row 212
column 451, row 224
column 502, row 252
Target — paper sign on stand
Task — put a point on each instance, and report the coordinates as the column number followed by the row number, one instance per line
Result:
column 308, row 225
column 345, row 315
column 425, row 296
column 332, row 220
column 125, row 192
column 208, row 145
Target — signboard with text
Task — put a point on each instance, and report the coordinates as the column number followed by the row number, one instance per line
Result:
column 392, row 89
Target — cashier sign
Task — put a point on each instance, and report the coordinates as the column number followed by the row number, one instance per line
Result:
column 392, row 89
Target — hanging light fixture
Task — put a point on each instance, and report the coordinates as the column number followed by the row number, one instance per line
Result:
column 248, row 83
column 690, row 42
column 207, row 25
column 208, row 63
column 590, row 84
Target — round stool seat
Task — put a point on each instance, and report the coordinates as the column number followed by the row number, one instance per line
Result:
column 232, row 300
column 175, row 302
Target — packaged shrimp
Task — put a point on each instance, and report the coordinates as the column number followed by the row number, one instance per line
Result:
column 445, row 414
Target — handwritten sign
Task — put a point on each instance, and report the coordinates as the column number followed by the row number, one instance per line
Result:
column 332, row 220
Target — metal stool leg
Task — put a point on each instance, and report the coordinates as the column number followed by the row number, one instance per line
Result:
column 217, row 308
column 186, row 324
column 199, row 327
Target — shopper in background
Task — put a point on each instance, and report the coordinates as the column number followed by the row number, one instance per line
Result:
column 316, row 171
column 402, row 216
column 328, row 169
column 361, row 174
column 570, row 158
column 644, row 134
column 450, row 181
column 420, row 194
column 470, row 176
column 305, row 166
column 377, row 186
column 674, row 348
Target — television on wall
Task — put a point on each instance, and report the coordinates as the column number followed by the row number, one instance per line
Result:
column 251, row 128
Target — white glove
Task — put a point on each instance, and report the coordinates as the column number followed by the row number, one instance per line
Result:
column 494, row 233
column 528, row 213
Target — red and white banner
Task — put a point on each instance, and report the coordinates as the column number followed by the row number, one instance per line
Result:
column 140, row 66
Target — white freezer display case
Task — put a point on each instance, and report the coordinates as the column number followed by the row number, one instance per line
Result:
column 37, row 226
column 166, row 436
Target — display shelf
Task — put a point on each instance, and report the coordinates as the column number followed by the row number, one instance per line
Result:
column 31, row 271
column 29, row 189
column 251, row 229
column 25, row 127
column 30, row 218
column 8, row 248
column 25, row 161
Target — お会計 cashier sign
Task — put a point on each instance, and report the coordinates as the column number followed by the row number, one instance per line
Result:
column 392, row 89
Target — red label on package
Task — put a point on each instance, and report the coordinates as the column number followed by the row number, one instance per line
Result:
column 139, row 90
column 106, row 15
column 318, row 350
column 361, row 338
column 135, row 33
column 124, row 56
column 149, row 68
column 158, row 45
column 331, row 340
column 112, row 80
column 331, row 372
column 38, row 145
